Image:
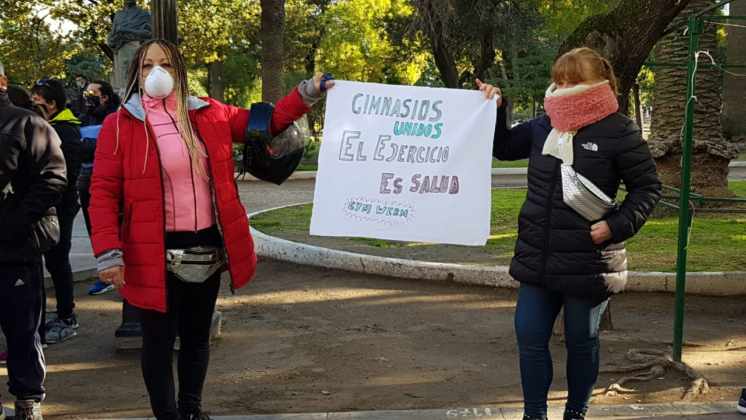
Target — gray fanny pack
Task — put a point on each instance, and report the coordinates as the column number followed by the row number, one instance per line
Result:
column 196, row 264
column 581, row 195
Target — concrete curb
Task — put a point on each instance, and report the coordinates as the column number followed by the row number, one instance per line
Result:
column 508, row 175
column 698, row 283
column 632, row 411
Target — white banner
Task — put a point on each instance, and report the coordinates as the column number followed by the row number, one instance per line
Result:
column 405, row 163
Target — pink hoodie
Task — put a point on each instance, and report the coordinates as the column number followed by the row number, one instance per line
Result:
column 187, row 194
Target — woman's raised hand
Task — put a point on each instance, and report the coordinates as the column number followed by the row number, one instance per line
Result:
column 319, row 78
column 490, row 92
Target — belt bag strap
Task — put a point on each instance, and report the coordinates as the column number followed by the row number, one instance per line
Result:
column 196, row 264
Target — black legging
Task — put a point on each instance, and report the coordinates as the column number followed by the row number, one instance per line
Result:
column 85, row 201
column 191, row 306
column 57, row 259
column 189, row 313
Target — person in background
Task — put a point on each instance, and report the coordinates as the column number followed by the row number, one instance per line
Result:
column 21, row 98
column 50, row 95
column 32, row 180
column 76, row 93
column 100, row 101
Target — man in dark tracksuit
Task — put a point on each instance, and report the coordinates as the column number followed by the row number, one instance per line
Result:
column 32, row 179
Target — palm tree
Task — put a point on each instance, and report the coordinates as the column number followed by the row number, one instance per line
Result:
column 734, row 90
column 711, row 153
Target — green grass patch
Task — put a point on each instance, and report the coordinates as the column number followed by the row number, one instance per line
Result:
column 307, row 167
column 738, row 187
column 510, row 163
column 717, row 241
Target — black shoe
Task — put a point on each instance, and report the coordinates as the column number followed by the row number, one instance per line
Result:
column 574, row 415
column 129, row 329
column 72, row 321
column 28, row 410
column 526, row 417
column 742, row 402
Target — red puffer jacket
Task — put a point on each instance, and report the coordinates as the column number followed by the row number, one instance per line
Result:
column 124, row 180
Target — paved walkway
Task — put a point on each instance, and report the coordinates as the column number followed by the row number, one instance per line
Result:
column 717, row 411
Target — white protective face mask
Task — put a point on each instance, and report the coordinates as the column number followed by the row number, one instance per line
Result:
column 159, row 83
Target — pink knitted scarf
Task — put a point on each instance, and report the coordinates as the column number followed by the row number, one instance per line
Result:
column 573, row 108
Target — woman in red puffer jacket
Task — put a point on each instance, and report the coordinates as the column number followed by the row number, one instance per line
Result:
column 164, row 161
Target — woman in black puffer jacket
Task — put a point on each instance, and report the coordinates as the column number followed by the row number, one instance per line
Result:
column 561, row 259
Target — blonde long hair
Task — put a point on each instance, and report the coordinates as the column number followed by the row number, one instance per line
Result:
column 184, row 125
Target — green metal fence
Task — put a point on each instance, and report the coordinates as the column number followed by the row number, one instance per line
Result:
column 695, row 28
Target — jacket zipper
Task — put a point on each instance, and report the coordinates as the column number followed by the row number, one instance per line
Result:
column 191, row 168
column 548, row 227
column 163, row 206
column 215, row 203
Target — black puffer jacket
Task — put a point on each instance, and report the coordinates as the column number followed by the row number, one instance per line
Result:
column 67, row 126
column 554, row 247
column 33, row 166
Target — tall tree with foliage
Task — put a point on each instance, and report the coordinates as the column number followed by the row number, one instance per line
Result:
column 508, row 42
column 711, row 153
column 362, row 41
column 29, row 49
column 230, row 32
column 526, row 58
column 463, row 36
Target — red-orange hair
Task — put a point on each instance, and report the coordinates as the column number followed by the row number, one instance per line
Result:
column 583, row 65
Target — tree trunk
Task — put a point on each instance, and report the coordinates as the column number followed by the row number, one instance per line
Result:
column 638, row 106
column 434, row 28
column 711, row 153
column 316, row 114
column 625, row 36
column 273, row 28
column 215, row 82
column 734, row 91
column 164, row 19
column 487, row 56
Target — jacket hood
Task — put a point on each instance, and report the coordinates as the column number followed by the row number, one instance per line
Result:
column 134, row 105
column 66, row 116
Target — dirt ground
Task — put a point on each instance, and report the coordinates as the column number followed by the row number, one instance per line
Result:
column 301, row 339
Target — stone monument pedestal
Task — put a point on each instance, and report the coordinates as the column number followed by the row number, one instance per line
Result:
column 122, row 59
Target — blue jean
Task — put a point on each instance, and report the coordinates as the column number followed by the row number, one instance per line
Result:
column 535, row 314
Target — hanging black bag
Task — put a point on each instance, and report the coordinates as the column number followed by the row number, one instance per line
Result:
column 270, row 158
